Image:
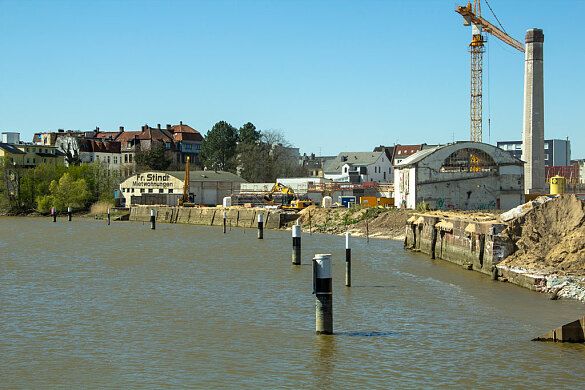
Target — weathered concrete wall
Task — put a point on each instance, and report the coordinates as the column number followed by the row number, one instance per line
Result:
column 212, row 216
column 473, row 244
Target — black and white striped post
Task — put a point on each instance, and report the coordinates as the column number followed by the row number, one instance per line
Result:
column 322, row 288
column 54, row 214
column 152, row 220
column 69, row 214
column 224, row 222
column 347, row 260
column 260, row 226
column 108, row 217
column 296, row 244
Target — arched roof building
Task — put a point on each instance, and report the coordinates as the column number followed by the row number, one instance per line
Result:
column 462, row 175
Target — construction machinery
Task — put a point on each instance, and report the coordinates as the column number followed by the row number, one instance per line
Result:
column 472, row 17
column 185, row 201
column 290, row 198
column 279, row 188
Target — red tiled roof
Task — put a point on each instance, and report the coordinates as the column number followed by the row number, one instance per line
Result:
column 406, row 150
column 92, row 145
column 107, row 135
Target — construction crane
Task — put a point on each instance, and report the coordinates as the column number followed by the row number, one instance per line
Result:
column 472, row 17
column 185, row 201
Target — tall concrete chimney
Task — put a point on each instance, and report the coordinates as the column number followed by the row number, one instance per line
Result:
column 533, row 131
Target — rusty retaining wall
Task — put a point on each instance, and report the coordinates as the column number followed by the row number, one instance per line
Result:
column 473, row 244
column 212, row 216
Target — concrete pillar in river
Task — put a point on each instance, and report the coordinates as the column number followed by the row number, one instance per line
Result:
column 347, row 260
column 296, row 244
column 260, row 226
column 322, row 288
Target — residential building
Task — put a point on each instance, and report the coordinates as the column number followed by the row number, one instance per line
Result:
column 444, row 178
column 314, row 164
column 29, row 155
column 358, row 167
column 557, row 152
column 105, row 152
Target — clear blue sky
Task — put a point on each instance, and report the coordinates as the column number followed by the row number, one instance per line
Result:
column 331, row 75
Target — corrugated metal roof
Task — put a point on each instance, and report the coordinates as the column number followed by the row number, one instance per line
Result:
column 208, row 176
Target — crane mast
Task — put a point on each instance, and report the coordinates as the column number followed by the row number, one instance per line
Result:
column 472, row 17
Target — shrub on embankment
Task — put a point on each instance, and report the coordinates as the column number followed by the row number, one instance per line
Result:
column 26, row 190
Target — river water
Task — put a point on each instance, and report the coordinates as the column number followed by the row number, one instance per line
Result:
column 84, row 304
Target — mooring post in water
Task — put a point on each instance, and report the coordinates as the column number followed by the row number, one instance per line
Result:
column 367, row 232
column 260, row 226
column 310, row 230
column 296, row 244
column 108, row 217
column 347, row 260
column 224, row 222
column 54, row 214
column 69, row 214
column 322, row 288
column 152, row 220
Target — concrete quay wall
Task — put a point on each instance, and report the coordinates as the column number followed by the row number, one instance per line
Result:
column 476, row 245
column 212, row 216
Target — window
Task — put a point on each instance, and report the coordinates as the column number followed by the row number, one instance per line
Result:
column 130, row 157
column 28, row 160
column 141, row 190
column 150, row 190
column 26, row 150
column 108, row 159
column 167, row 145
column 160, row 191
column 170, row 190
column 460, row 161
column 125, row 158
column 115, row 160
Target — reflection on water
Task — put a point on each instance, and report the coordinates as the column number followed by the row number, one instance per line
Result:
column 86, row 304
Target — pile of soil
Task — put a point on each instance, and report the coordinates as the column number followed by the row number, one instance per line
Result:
column 381, row 223
column 550, row 237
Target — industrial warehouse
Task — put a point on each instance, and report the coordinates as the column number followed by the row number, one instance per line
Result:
column 166, row 188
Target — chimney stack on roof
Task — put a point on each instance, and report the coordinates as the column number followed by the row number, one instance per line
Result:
column 180, row 123
column 144, row 127
column 97, row 129
column 168, row 126
column 158, row 126
column 121, row 129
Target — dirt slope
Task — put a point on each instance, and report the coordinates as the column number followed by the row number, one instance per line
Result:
column 551, row 237
column 381, row 223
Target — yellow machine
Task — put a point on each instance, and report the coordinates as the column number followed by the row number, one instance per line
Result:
column 558, row 185
column 282, row 189
column 298, row 205
column 292, row 202
column 185, row 201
